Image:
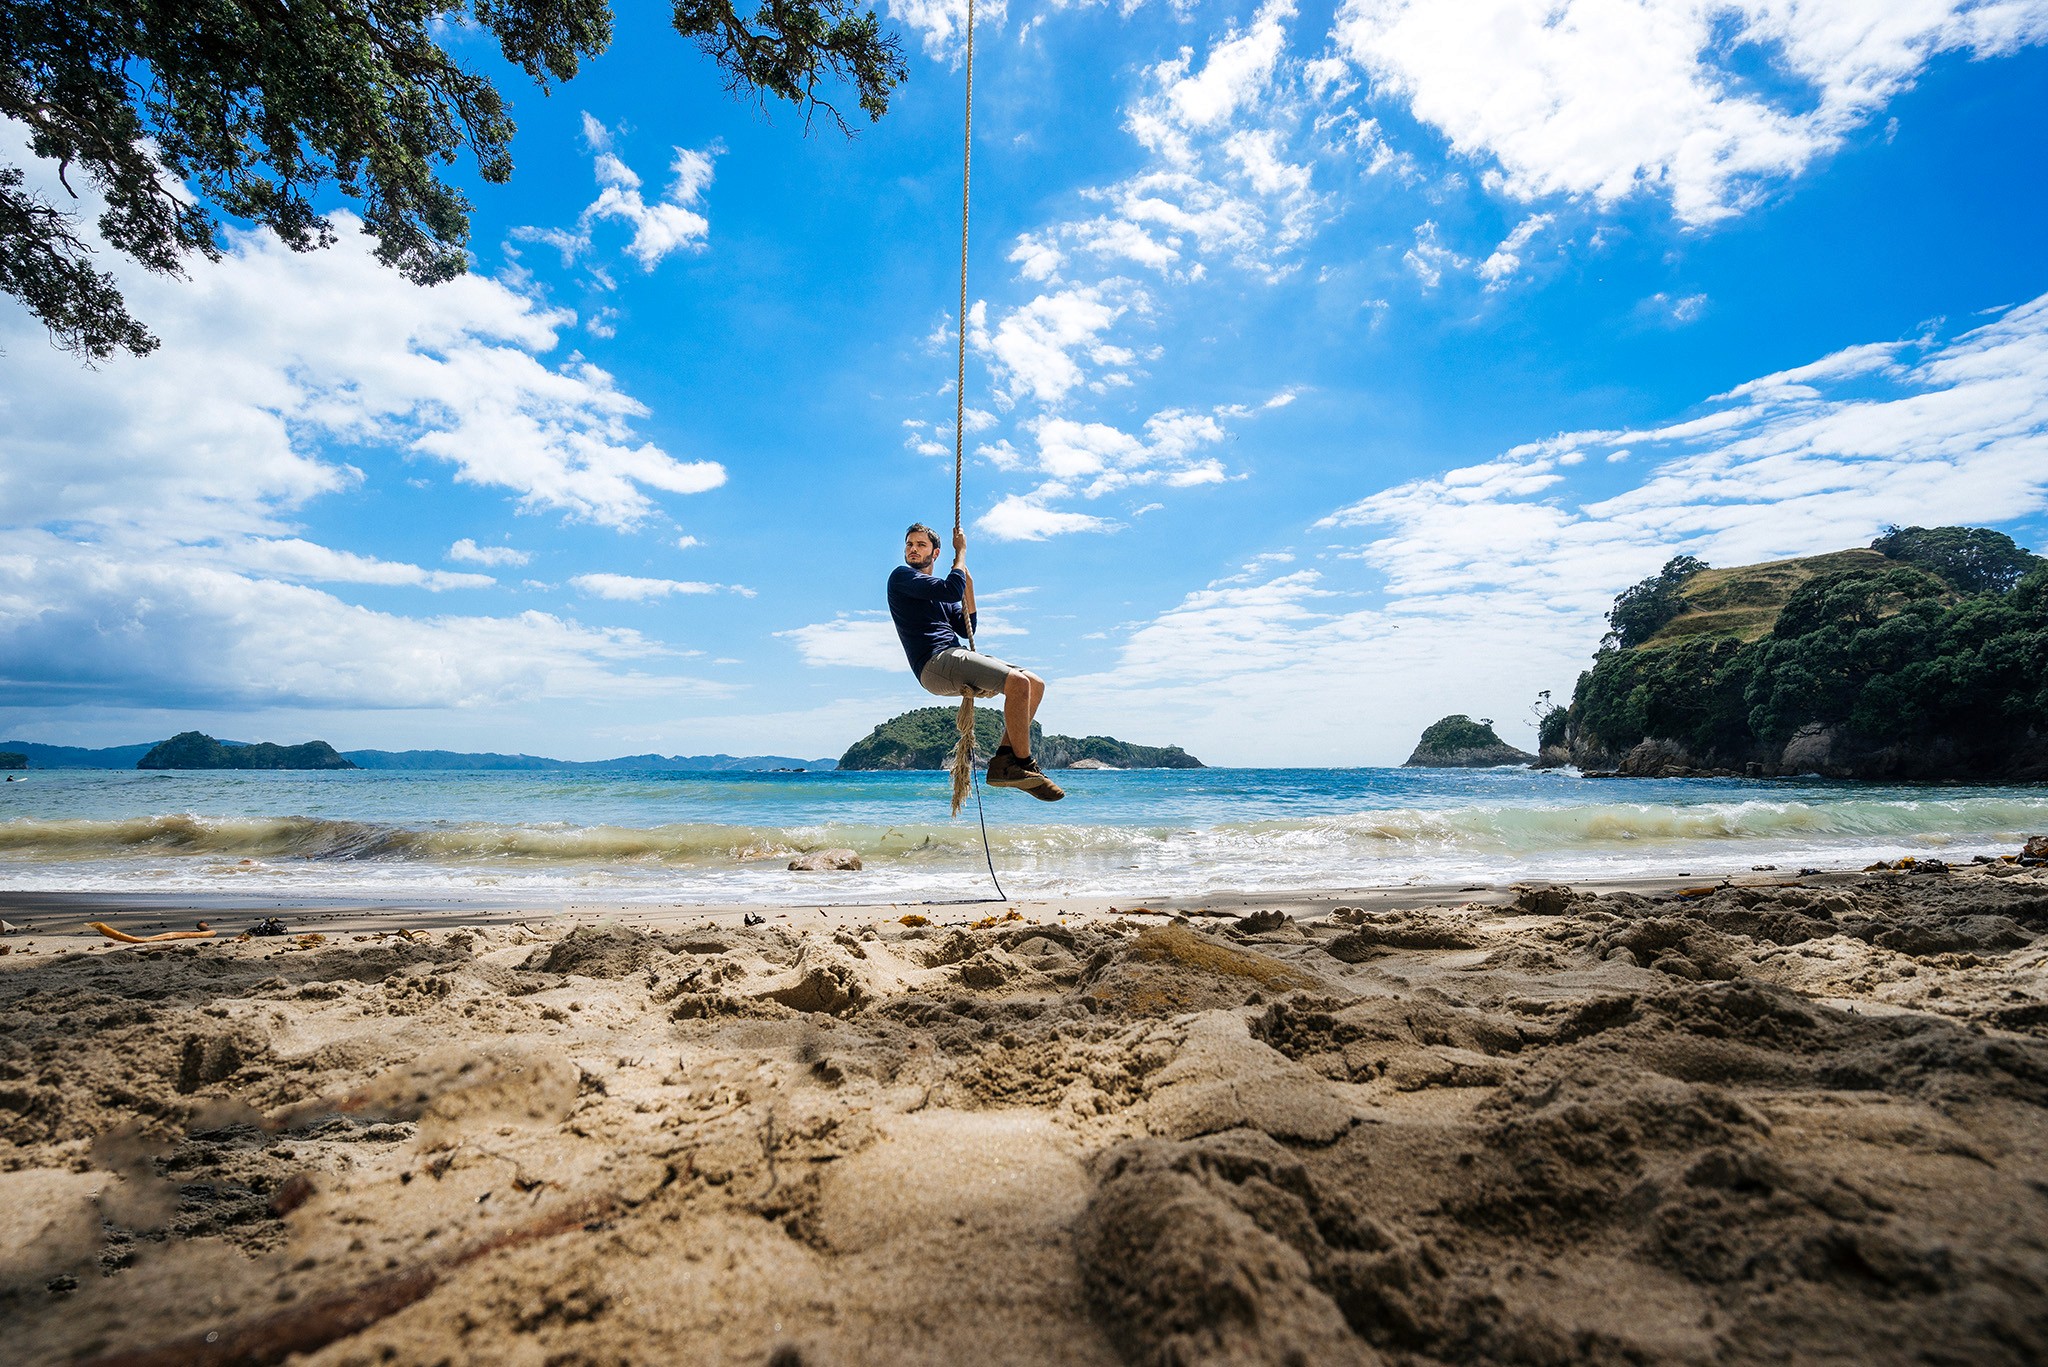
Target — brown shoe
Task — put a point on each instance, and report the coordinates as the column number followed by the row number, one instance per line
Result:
column 1034, row 781
column 1005, row 770
column 1041, row 787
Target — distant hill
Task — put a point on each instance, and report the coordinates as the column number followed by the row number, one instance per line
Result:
column 197, row 750
column 76, row 757
column 455, row 759
column 923, row 739
column 1458, row 742
column 127, row 756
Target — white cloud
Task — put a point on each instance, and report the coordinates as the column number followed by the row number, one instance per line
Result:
column 1429, row 258
column 467, row 552
column 151, row 560
column 1492, row 579
column 1506, row 259
column 1037, row 258
column 1872, row 358
column 631, row 588
column 174, row 628
column 292, row 558
column 660, row 229
column 1238, row 69
column 1678, row 309
column 1090, row 459
column 298, row 354
column 942, row 24
column 866, row 641
column 1024, row 517
column 1257, row 152
column 1605, row 98
column 1040, row 349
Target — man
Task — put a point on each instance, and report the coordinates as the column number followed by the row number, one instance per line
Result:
column 933, row 616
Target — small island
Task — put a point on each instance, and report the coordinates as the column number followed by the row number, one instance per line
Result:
column 197, row 750
column 13, row 759
column 1458, row 742
column 923, row 739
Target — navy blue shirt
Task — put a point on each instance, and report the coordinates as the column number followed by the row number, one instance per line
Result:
column 927, row 613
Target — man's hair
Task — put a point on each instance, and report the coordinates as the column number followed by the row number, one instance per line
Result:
column 917, row 527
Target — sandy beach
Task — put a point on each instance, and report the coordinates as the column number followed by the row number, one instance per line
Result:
column 1746, row 1118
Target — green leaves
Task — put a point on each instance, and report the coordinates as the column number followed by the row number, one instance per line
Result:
column 260, row 107
column 788, row 47
column 43, row 264
column 1639, row 612
column 1972, row 559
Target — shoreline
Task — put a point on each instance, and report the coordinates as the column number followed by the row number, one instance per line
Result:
column 54, row 915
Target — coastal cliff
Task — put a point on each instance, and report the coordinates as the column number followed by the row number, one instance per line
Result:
column 923, row 739
column 1920, row 658
column 197, row 750
column 1458, row 742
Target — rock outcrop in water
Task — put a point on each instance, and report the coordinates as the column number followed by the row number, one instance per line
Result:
column 923, row 739
column 197, row 750
column 1458, row 742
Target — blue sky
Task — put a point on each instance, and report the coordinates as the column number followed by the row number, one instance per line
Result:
column 1330, row 369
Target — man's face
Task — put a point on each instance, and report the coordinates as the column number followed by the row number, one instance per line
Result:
column 919, row 551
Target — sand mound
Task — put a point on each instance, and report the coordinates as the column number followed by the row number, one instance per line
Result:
column 1170, row 969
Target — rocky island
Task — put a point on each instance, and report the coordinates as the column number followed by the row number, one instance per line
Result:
column 1458, row 742
column 197, row 750
column 923, row 739
column 1918, row 658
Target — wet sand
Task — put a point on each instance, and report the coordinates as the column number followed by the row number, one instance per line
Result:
column 1743, row 1119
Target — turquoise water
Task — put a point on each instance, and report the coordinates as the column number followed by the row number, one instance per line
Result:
column 696, row 837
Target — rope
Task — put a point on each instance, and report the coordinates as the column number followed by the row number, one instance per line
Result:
column 963, row 749
column 985, row 852
column 960, row 375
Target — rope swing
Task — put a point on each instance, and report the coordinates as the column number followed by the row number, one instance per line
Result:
column 963, row 748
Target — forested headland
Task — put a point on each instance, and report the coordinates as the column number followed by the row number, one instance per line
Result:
column 1924, row 656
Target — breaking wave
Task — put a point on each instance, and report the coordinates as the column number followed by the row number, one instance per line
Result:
column 1371, row 836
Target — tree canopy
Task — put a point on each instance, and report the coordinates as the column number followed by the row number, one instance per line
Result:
column 1971, row 559
column 175, row 110
column 1639, row 612
column 1458, row 732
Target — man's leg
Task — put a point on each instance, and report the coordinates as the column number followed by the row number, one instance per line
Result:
column 1021, row 693
column 1011, row 765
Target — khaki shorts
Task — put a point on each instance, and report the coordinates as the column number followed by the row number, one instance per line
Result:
column 959, row 670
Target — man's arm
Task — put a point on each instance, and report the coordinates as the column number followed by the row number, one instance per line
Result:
column 960, row 565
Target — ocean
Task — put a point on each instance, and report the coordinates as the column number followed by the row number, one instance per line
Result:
column 726, row 837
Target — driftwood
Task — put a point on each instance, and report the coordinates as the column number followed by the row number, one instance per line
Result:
column 312, row 1324
column 123, row 937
